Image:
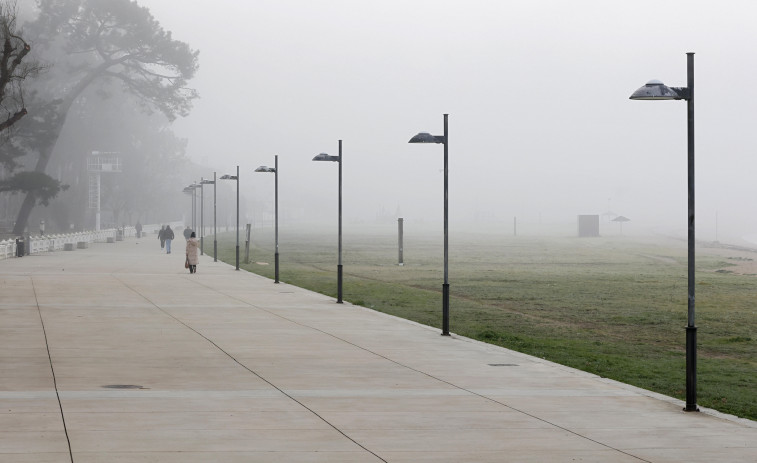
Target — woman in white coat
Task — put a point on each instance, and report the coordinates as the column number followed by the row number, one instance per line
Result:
column 192, row 254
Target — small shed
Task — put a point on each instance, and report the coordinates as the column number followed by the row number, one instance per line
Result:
column 588, row 226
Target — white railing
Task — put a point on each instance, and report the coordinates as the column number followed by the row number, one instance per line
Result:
column 51, row 243
column 7, row 249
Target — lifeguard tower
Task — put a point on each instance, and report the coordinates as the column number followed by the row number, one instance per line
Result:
column 100, row 162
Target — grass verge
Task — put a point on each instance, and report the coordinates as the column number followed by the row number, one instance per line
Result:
column 613, row 306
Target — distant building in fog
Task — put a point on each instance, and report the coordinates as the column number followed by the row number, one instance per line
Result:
column 588, row 226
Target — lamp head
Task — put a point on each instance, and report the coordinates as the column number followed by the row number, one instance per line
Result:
column 228, row 177
column 265, row 169
column 207, row 182
column 425, row 137
column 656, row 90
column 326, row 157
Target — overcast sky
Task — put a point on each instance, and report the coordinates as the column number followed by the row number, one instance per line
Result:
column 540, row 124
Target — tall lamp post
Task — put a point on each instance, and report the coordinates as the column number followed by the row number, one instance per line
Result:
column 215, row 229
column 194, row 186
column 425, row 137
column 326, row 157
column 190, row 190
column 656, row 90
column 202, row 202
column 204, row 181
column 275, row 171
column 235, row 177
column 194, row 205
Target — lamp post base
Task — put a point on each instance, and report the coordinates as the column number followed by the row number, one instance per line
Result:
column 445, row 309
column 276, row 271
column 215, row 251
column 237, row 257
column 691, row 368
column 339, row 284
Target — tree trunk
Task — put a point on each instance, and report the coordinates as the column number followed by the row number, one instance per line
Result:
column 30, row 200
column 46, row 153
column 23, row 214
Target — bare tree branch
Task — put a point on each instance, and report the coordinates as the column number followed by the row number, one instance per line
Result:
column 13, row 119
column 12, row 67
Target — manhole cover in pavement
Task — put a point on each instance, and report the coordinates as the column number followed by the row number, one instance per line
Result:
column 502, row 365
column 124, row 386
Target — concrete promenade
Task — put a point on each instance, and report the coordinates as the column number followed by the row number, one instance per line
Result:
column 117, row 354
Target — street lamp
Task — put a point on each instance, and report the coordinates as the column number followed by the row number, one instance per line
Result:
column 275, row 171
column 656, row 90
column 425, row 137
column 204, row 181
column 215, row 229
column 194, row 187
column 326, row 157
column 235, row 177
column 202, row 201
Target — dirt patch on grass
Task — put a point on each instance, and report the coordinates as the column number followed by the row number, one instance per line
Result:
column 742, row 268
column 741, row 260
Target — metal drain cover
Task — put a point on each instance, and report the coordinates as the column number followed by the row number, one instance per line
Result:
column 502, row 365
column 124, row 386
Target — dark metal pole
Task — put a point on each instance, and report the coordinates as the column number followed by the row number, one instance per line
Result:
column 691, row 329
column 215, row 229
column 276, row 217
column 400, row 238
column 191, row 205
column 237, row 218
column 202, row 212
column 445, row 286
column 194, row 203
column 339, row 266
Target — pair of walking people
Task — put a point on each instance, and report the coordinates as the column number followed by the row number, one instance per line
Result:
column 165, row 235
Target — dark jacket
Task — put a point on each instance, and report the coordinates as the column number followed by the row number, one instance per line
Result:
column 168, row 234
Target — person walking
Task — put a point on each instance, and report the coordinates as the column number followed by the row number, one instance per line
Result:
column 162, row 236
column 168, row 236
column 138, row 228
column 192, row 258
column 187, row 233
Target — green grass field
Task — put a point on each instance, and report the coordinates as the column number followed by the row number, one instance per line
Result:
column 613, row 306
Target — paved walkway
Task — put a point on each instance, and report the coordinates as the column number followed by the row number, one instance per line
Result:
column 117, row 354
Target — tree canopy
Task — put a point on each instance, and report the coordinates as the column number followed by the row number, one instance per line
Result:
column 119, row 40
column 44, row 187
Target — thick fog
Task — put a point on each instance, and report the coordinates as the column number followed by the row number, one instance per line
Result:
column 540, row 123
